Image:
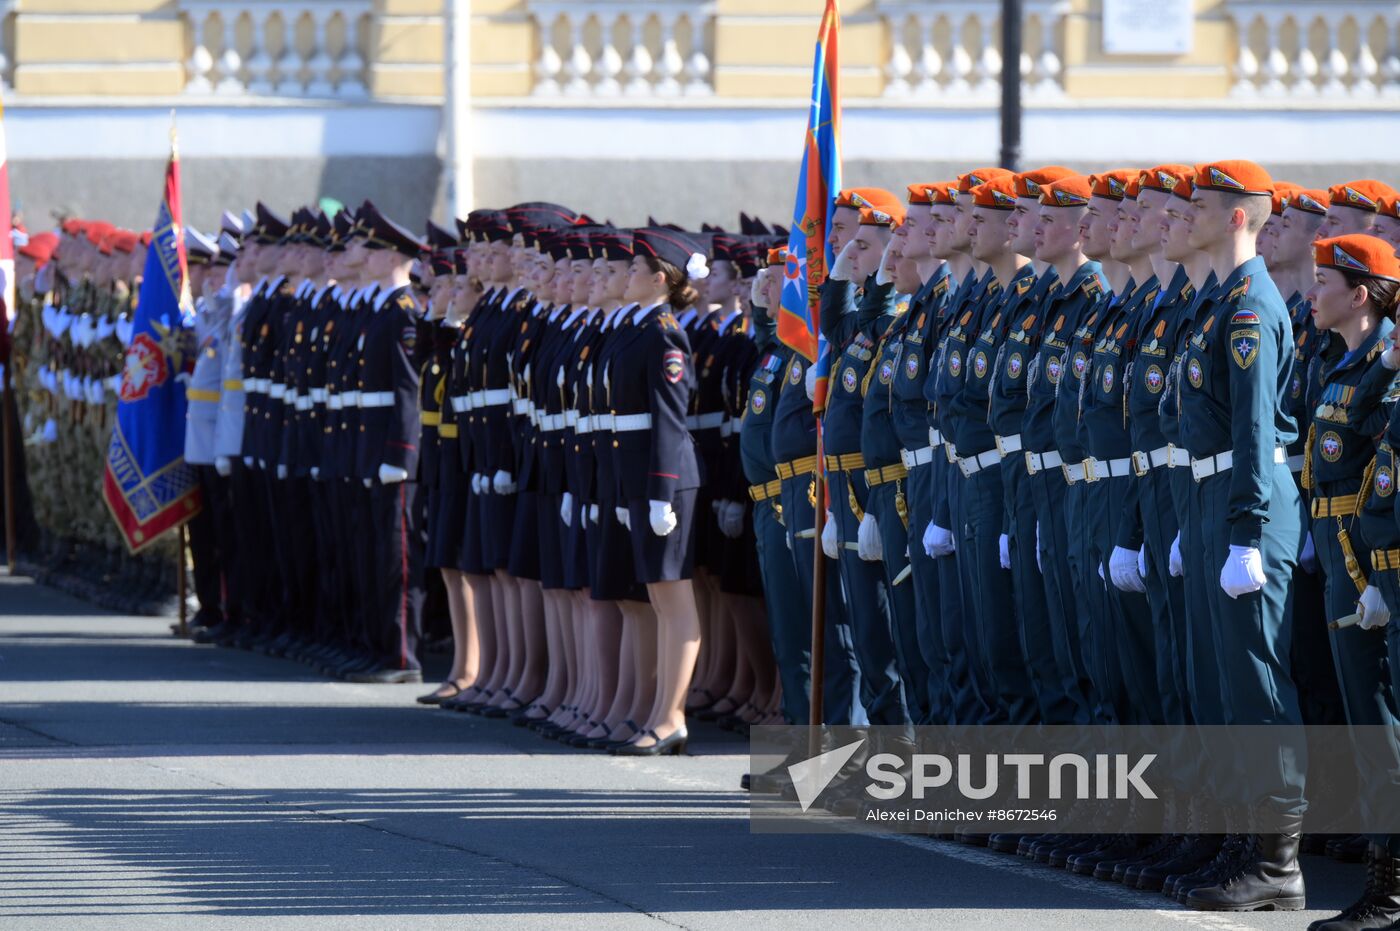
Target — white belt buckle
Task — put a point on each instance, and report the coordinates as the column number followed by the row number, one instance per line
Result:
column 1091, row 471
column 1142, row 463
column 1031, row 467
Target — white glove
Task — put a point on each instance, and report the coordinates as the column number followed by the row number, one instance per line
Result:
column 623, row 517
column 1123, row 570
column 829, row 546
column 566, row 509
column 476, row 484
column 869, row 546
column 502, row 483
column 844, row 265
column 392, row 475
column 663, row 519
column 1307, row 559
column 1174, row 566
column 248, row 462
column 1004, row 550
column 1037, row 547
column 369, row 482
column 1101, row 578
column 281, row 471
column 593, row 513
column 810, row 382
column 1374, row 613
column 1243, row 571
column 1142, row 560
column 928, row 540
column 943, row 544
column 731, row 519
column 223, row 466
column 316, row 473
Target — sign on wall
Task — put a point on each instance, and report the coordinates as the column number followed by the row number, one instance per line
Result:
column 1148, row 27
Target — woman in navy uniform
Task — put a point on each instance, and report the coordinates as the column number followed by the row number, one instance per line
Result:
column 1350, row 390
column 649, row 384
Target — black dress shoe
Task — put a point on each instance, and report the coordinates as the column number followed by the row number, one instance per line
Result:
column 673, row 743
column 384, row 675
column 355, row 665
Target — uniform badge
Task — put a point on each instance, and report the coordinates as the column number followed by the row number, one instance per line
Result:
column 886, row 371
column 1107, row 379
column 1079, row 363
column 911, row 365
column 1053, row 366
column 1244, row 347
column 1194, row 374
column 1244, row 316
column 758, row 401
column 849, row 380
column 955, row 363
column 1384, row 482
column 1154, row 378
column 673, row 365
column 409, row 337
column 979, row 365
column 1014, row 365
column 795, row 372
column 1331, row 446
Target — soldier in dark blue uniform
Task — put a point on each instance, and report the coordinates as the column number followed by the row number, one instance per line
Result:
column 1237, row 367
column 1049, row 653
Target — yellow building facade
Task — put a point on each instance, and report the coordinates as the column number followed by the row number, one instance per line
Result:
column 608, row 103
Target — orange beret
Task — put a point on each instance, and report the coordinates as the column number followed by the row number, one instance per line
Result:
column 1309, row 201
column 1114, row 184
column 1163, row 178
column 976, row 176
column 146, row 238
column 1284, row 191
column 1234, row 177
column 1363, row 195
column 1358, row 254
column 1185, row 184
column 73, row 226
column 41, row 247
column 1073, row 191
column 921, row 193
column 888, row 216
column 1028, row 182
column 944, row 192
column 777, row 256
column 1390, row 206
column 858, row 197
column 996, row 194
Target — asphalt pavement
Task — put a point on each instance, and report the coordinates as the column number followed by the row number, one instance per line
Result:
column 148, row 783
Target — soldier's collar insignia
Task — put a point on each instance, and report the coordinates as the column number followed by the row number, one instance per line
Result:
column 1024, row 285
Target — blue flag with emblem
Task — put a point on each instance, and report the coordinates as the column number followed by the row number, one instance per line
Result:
column 147, row 485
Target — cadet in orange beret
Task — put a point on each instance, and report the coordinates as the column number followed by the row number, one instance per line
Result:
column 1352, row 207
column 1387, row 225
column 1236, row 428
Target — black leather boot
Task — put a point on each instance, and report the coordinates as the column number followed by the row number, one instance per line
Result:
column 1266, row 878
column 1379, row 905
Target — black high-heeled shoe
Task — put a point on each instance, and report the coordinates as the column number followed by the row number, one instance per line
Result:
column 672, row 744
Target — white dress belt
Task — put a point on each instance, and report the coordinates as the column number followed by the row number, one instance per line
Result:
column 1009, row 445
column 705, row 421
column 521, row 406
column 602, row 421
column 1074, row 472
column 377, row 399
column 935, row 438
column 304, row 403
column 974, row 464
column 584, row 424
column 460, row 403
column 916, row 457
column 1223, row 462
column 1096, row 469
column 335, row 402
column 277, row 390
column 1039, row 462
column 493, row 397
column 350, row 398
column 626, row 423
column 1146, row 462
column 318, row 395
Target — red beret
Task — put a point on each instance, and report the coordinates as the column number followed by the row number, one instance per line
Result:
column 41, row 247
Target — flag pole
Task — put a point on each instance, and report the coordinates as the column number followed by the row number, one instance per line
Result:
column 818, row 664
column 6, row 434
column 180, row 594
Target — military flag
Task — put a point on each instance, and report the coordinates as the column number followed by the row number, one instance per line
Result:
column 147, row 485
column 818, row 182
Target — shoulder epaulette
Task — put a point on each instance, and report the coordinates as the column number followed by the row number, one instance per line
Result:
column 1091, row 286
column 939, row 289
column 406, row 301
column 1152, row 296
column 1239, row 290
column 901, row 306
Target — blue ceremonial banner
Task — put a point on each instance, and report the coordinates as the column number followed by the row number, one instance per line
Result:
column 147, row 485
